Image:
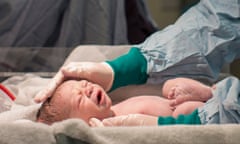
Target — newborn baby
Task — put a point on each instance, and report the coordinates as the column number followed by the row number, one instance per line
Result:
column 86, row 100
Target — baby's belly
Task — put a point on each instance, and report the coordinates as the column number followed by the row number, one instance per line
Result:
column 150, row 105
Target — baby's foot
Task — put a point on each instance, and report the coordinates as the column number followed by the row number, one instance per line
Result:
column 178, row 95
column 182, row 89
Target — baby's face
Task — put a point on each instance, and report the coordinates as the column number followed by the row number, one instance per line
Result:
column 85, row 100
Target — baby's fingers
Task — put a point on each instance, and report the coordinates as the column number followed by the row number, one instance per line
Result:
column 171, row 93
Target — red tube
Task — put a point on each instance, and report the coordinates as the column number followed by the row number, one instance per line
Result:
column 4, row 89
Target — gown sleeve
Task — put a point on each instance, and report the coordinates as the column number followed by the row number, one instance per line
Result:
column 129, row 69
column 190, row 119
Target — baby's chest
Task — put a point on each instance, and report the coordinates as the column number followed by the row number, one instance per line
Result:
column 148, row 105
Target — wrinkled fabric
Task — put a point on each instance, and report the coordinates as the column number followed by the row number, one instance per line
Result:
column 61, row 23
column 224, row 106
column 197, row 46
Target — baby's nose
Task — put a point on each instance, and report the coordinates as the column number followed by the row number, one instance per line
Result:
column 88, row 91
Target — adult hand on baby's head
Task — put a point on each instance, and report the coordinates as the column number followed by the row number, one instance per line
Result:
column 100, row 73
column 131, row 120
column 49, row 90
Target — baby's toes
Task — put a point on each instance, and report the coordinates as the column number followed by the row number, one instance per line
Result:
column 171, row 94
column 181, row 98
column 172, row 103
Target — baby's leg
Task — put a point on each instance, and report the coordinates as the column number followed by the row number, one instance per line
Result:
column 186, row 108
column 183, row 89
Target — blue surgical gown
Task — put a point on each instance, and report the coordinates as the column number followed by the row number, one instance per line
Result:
column 201, row 41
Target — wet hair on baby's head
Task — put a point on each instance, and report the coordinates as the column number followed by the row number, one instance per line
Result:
column 52, row 111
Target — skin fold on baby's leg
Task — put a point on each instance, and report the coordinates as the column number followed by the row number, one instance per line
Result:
column 186, row 108
column 180, row 90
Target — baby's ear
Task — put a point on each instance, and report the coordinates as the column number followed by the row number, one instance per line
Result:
column 94, row 122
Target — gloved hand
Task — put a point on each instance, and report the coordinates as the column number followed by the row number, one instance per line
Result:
column 94, row 122
column 100, row 73
column 127, row 120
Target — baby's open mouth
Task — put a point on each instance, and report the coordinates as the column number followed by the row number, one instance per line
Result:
column 97, row 96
